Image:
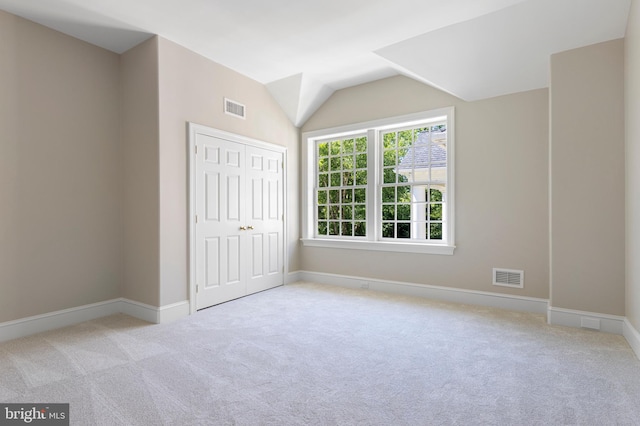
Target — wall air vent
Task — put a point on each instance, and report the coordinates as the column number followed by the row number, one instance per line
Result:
column 234, row 108
column 508, row 278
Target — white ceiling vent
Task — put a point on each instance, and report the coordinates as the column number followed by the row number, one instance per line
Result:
column 508, row 278
column 234, row 108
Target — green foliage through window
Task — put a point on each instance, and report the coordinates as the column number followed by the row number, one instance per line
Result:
column 341, row 187
column 413, row 183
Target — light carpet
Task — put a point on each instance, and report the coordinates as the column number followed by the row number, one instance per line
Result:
column 308, row 354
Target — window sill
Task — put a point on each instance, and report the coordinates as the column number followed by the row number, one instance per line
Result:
column 380, row 246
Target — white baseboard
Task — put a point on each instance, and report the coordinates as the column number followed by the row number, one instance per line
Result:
column 582, row 319
column 139, row 310
column 52, row 320
column 293, row 277
column 175, row 311
column 448, row 294
column 36, row 324
column 632, row 336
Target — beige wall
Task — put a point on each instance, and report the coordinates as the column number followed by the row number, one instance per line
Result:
column 632, row 98
column 93, row 173
column 139, row 115
column 587, row 183
column 192, row 89
column 501, row 188
column 60, row 171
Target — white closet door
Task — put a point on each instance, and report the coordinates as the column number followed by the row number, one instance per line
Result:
column 220, row 207
column 265, row 220
column 239, row 230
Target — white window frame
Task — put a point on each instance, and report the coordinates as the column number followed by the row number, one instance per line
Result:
column 373, row 240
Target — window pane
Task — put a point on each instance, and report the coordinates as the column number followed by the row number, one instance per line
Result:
column 404, row 194
column 360, row 229
column 389, row 158
column 435, row 195
column 323, row 149
column 436, row 212
column 404, row 212
column 388, row 194
column 347, row 196
column 322, row 228
column 334, row 196
column 334, row 228
column 361, row 144
column 388, row 230
column 347, row 212
column 405, row 138
column 347, row 178
column 438, row 163
column 322, row 212
column 360, row 212
column 389, row 175
column 388, row 212
column 322, row 197
column 361, row 161
column 347, row 162
column 360, row 195
column 335, row 179
column 347, row 146
column 436, row 231
column 323, row 180
column 422, row 136
column 404, row 230
column 347, row 229
column 334, row 212
column 335, row 163
column 335, row 147
column 323, row 164
column 389, row 140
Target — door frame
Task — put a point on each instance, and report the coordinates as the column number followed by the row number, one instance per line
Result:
column 194, row 129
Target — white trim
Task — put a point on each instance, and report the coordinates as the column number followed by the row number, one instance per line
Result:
column 408, row 119
column 456, row 295
column 632, row 336
column 572, row 318
column 52, row 320
column 173, row 312
column 380, row 246
column 293, row 277
column 192, row 130
column 152, row 314
column 139, row 310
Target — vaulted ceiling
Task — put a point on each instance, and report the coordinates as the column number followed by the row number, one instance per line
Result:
column 304, row 50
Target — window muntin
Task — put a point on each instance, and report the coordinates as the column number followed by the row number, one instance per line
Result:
column 414, row 181
column 341, row 187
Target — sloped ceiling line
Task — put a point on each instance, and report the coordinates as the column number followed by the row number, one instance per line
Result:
column 304, row 51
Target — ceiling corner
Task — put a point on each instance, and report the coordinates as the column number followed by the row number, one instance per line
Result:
column 299, row 96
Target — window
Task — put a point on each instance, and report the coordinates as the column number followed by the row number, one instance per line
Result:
column 383, row 185
column 414, row 180
column 341, row 185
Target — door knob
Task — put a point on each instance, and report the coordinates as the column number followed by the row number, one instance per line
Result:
column 249, row 227
column 243, row 228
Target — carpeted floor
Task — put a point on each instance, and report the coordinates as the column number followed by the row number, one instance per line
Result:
column 308, row 354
